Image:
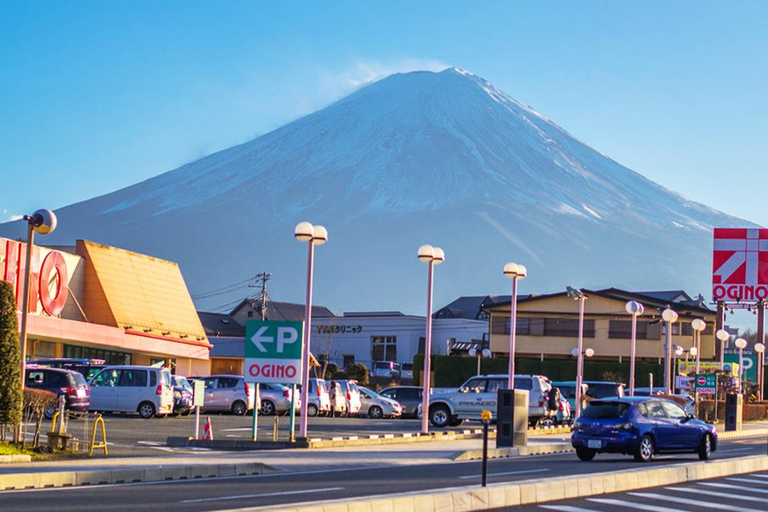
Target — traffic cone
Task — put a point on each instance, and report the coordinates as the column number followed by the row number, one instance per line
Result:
column 208, row 431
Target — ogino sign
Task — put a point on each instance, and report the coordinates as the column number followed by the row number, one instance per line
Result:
column 273, row 352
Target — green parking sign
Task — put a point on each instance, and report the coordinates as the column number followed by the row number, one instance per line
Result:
column 273, row 351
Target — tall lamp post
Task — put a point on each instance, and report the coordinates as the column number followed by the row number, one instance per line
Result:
column 43, row 222
column 723, row 336
column 580, row 296
column 479, row 353
column 432, row 256
column 313, row 235
column 579, row 355
column 698, row 325
column 759, row 349
column 635, row 309
column 670, row 317
column 677, row 353
column 514, row 272
column 741, row 343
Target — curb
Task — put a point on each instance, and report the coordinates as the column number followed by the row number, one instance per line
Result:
column 46, row 479
column 742, row 434
column 9, row 459
column 518, row 451
column 496, row 496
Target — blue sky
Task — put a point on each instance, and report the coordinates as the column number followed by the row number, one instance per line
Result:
column 98, row 96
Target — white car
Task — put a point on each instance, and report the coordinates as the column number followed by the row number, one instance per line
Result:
column 376, row 406
column 147, row 390
column 350, row 391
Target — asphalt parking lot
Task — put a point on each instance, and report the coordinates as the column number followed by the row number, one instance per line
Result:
column 130, row 435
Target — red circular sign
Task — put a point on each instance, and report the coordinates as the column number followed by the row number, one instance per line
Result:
column 701, row 381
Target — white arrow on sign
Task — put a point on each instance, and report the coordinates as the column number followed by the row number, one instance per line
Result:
column 258, row 339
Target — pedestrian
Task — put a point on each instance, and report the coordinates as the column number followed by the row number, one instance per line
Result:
column 334, row 398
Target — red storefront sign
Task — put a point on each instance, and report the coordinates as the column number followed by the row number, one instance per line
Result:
column 48, row 280
column 740, row 264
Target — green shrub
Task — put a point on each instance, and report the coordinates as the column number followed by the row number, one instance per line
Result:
column 339, row 376
column 10, row 360
column 358, row 372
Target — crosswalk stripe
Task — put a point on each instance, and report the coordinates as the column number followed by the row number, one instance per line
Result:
column 761, row 476
column 628, row 504
column 748, row 480
column 715, row 493
column 684, row 501
column 566, row 508
column 735, row 487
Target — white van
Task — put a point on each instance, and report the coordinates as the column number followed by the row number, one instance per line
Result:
column 147, row 390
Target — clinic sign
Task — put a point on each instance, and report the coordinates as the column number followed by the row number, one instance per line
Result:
column 273, row 351
column 740, row 265
column 49, row 281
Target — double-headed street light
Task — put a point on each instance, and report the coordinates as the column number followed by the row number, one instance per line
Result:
column 432, row 256
column 679, row 351
column 698, row 325
column 313, row 235
column 741, row 344
column 513, row 271
column 580, row 296
column 670, row 317
column 635, row 309
column 579, row 355
column 479, row 353
column 723, row 336
column 759, row 349
column 43, row 222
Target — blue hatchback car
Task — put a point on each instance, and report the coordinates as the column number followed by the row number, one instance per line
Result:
column 640, row 426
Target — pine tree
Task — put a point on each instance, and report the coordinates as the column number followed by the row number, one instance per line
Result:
column 10, row 359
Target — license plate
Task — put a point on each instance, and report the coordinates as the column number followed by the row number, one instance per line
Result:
column 80, row 393
column 595, row 444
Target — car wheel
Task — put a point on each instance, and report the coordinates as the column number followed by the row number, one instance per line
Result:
column 375, row 412
column 50, row 410
column 705, row 448
column 146, row 410
column 239, row 408
column 585, row 454
column 645, row 449
column 439, row 416
column 455, row 422
column 267, row 408
column 312, row 410
column 186, row 412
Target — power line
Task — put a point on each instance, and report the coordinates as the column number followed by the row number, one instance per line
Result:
column 223, row 290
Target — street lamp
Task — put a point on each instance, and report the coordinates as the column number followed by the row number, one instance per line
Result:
column 313, row 235
column 433, row 256
column 579, row 355
column 479, row 353
column 670, row 317
column 741, row 343
column 43, row 222
column 698, row 325
column 580, row 296
column 723, row 336
column 759, row 349
column 514, row 272
column 679, row 351
column 635, row 309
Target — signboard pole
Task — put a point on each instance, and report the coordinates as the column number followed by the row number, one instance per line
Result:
column 197, row 422
column 198, row 400
column 292, row 417
column 256, row 407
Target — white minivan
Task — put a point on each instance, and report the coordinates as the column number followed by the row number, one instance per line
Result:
column 147, row 390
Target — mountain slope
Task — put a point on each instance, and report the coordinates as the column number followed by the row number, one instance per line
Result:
column 442, row 158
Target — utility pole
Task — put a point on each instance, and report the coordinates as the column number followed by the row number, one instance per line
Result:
column 263, row 277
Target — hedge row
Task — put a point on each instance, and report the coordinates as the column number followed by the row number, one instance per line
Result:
column 452, row 371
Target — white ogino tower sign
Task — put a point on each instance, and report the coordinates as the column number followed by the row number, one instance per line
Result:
column 273, row 352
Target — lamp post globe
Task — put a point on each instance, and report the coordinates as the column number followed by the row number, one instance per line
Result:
column 575, row 352
column 669, row 315
column 634, row 308
column 486, row 352
column 679, row 351
column 304, row 231
column 472, row 352
column 426, row 253
column 722, row 335
column 43, row 221
column 320, row 235
column 740, row 343
column 759, row 348
column 698, row 325
column 589, row 352
column 693, row 351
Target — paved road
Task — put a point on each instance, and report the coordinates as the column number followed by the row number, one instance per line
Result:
column 741, row 493
column 227, row 493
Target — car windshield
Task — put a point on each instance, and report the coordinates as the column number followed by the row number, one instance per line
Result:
column 604, row 390
column 182, row 382
column 407, row 366
column 79, row 379
column 605, row 410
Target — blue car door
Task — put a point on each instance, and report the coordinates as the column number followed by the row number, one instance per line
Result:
column 664, row 429
column 686, row 435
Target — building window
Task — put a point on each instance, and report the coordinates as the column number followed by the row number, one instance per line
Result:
column 250, row 314
column 384, row 348
column 348, row 359
column 622, row 329
column 566, row 327
column 675, row 329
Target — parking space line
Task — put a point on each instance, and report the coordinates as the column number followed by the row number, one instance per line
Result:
column 748, row 481
column 245, row 496
column 508, row 473
column 566, row 508
column 639, row 506
column 734, row 487
column 714, row 493
column 696, row 503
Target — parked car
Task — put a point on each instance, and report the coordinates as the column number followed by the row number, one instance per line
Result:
column 182, row 395
column 602, row 389
column 376, row 406
column 66, row 383
column 409, row 397
column 86, row 367
column 385, row 369
column 352, row 394
column 568, row 391
column 276, row 399
column 641, row 427
column 406, row 371
column 319, row 399
column 228, row 393
column 144, row 389
column 481, row 392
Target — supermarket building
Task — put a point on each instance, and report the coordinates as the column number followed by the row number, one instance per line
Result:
column 101, row 302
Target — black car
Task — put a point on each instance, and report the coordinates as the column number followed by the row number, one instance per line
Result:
column 408, row 396
column 182, row 396
column 86, row 367
column 66, row 383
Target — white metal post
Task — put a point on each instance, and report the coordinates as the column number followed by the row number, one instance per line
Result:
column 25, row 301
column 667, row 357
column 633, row 350
column 427, row 354
column 306, row 352
column 512, row 334
column 580, row 359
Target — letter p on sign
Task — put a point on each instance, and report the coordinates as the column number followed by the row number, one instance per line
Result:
column 286, row 336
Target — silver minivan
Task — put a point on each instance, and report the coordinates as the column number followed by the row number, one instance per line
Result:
column 147, row 390
column 228, row 393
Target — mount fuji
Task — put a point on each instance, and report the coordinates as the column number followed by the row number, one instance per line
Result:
column 416, row 158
